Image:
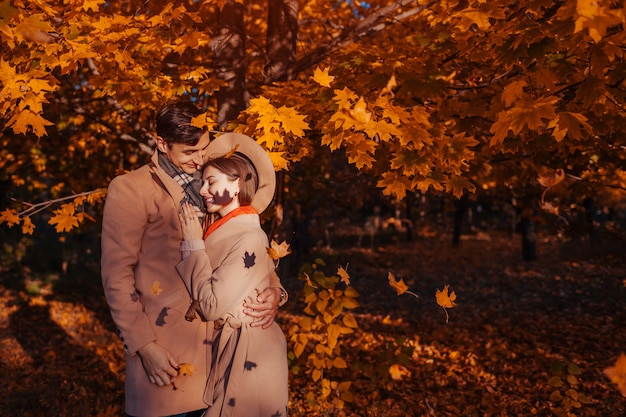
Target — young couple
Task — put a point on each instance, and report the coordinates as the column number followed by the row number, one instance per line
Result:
column 179, row 242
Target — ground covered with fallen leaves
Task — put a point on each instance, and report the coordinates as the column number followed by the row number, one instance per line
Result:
column 524, row 339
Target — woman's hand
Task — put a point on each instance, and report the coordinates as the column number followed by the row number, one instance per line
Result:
column 189, row 222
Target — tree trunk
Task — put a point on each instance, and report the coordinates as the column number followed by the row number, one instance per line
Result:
column 460, row 208
column 529, row 239
column 229, row 52
column 282, row 31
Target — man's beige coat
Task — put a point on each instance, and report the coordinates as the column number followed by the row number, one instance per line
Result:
column 141, row 237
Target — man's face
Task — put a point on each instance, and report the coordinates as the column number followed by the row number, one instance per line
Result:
column 186, row 157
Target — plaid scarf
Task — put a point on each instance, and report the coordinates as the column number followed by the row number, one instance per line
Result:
column 191, row 183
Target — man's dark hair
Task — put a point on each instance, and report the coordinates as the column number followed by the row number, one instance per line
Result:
column 173, row 123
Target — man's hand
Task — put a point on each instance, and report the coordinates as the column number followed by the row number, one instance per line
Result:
column 265, row 309
column 160, row 366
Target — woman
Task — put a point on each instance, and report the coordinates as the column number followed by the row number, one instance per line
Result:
column 248, row 375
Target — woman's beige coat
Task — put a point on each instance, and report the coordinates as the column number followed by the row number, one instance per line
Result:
column 249, row 373
column 141, row 236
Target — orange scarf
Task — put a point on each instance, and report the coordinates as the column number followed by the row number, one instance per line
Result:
column 236, row 212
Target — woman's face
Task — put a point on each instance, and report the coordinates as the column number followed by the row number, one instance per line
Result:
column 219, row 192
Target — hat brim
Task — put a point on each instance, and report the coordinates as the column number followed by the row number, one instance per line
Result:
column 238, row 142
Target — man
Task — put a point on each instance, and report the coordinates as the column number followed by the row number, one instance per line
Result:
column 141, row 235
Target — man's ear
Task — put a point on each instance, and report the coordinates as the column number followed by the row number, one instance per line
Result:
column 161, row 144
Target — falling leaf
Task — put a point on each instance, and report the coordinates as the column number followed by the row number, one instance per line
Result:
column 398, row 285
column 617, row 373
column 309, row 282
column 249, row 260
column 155, row 288
column 343, row 274
column 398, row 372
column 186, row 369
column 444, row 299
column 552, row 179
column 276, row 251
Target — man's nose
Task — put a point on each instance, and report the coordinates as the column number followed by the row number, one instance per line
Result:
column 198, row 157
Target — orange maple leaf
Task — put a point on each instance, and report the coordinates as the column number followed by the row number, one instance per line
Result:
column 617, row 373
column 28, row 226
column 399, row 286
column 10, row 217
column 321, row 77
column 277, row 251
column 64, row 220
column 186, row 369
column 343, row 274
column 155, row 288
column 552, row 179
column 445, row 299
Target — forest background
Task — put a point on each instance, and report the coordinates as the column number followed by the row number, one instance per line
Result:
column 393, row 127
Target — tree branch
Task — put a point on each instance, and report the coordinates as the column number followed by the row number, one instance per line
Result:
column 368, row 25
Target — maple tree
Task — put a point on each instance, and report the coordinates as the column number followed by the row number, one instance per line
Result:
column 424, row 96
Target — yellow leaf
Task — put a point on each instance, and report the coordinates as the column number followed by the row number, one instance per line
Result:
column 360, row 113
column 513, row 92
column 343, row 274
column 397, row 372
column 316, row 375
column 345, row 97
column 444, row 299
column 617, row 373
column 203, row 120
column 292, row 121
column 92, row 5
column 10, row 217
column 350, row 321
column 398, row 285
column 321, row 77
column 155, row 288
column 64, row 220
column 28, row 226
column 278, row 160
column 25, row 119
column 340, row 363
column 277, row 251
column 186, row 369
column 552, row 179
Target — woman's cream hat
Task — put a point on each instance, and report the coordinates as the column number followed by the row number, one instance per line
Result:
column 231, row 142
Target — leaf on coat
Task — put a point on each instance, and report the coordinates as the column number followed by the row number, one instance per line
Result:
column 160, row 321
column 155, row 288
column 249, row 260
column 186, row 369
